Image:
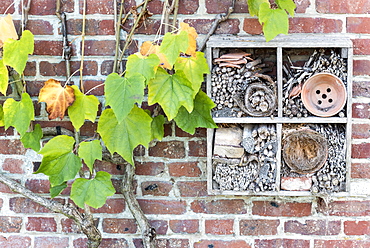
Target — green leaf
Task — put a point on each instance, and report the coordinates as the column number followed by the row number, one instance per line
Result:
column 93, row 192
column 146, row 66
column 200, row 117
column 194, row 69
column 56, row 190
column 84, row 107
column 171, row 92
column 32, row 139
column 275, row 21
column 59, row 162
column 123, row 137
column 89, row 152
column 173, row 44
column 157, row 127
column 4, row 78
column 1, row 116
column 254, row 6
column 16, row 51
column 287, row 5
column 122, row 93
column 19, row 114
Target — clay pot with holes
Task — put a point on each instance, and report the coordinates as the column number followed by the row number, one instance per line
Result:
column 324, row 94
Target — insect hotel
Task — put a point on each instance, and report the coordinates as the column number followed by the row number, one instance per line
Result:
column 283, row 110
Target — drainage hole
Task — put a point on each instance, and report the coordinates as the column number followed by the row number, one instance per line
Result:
column 330, row 100
column 317, row 91
column 328, row 90
column 324, row 96
column 319, row 102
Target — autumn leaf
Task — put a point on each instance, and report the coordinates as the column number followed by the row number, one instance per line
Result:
column 192, row 35
column 148, row 48
column 7, row 29
column 57, row 98
column 173, row 44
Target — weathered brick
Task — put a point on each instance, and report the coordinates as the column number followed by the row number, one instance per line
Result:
column 41, row 224
column 5, row 189
column 360, row 170
column 115, row 225
column 112, row 206
column 252, row 26
column 162, row 206
column 149, row 168
column 361, row 88
column 345, row 208
column 185, row 7
column 48, row 7
column 313, row 227
column 184, row 226
column 12, row 147
column 219, row 227
column 343, row 7
column 184, row 169
column 199, row 132
column 105, row 243
column 104, row 6
column 54, row 242
column 149, row 26
column 165, row 243
column 105, row 48
column 88, row 129
column 258, row 227
column 157, row 188
column 341, row 243
column 359, row 25
column 361, row 46
column 98, row 86
column 361, row 150
column 30, row 69
column 15, row 242
column 10, row 224
column 266, row 208
column 106, row 67
column 232, row 206
column 13, row 165
column 65, row 124
column 161, row 226
column 221, row 244
column 360, row 131
column 40, row 27
column 198, row 148
column 69, row 226
column 111, row 168
column 48, row 47
column 25, row 205
column 360, row 67
column 192, row 188
column 302, row 5
column 93, row 27
column 5, row 5
column 361, row 110
column 283, row 243
column 357, row 227
column 7, row 132
column 314, row 25
column 168, row 149
column 38, row 185
column 202, row 26
column 52, row 69
column 217, row 7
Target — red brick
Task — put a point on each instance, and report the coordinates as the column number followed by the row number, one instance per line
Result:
column 106, row 67
column 168, row 149
column 359, row 25
column 98, row 86
column 41, row 224
column 361, row 88
column 63, row 124
column 30, row 69
column 165, row 243
column 112, row 206
column 103, row 6
column 93, row 27
column 10, row 224
column 184, row 169
column 345, row 208
column 157, row 188
column 111, row 168
column 343, row 7
column 184, row 226
column 15, row 242
column 99, row 47
column 13, row 165
column 222, row 6
column 12, row 147
column 341, row 243
column 281, row 243
column 24, row 205
column 161, row 226
column 361, row 150
column 148, row 27
column 361, row 110
column 162, row 206
column 313, row 227
column 221, row 244
column 258, row 227
column 34, row 87
column 293, row 209
column 314, row 25
column 40, row 27
column 360, row 170
column 149, row 168
column 5, row 189
column 357, row 227
column 199, row 132
column 48, row 7
column 360, row 131
column 219, row 227
column 361, row 46
column 185, row 7
column 192, row 188
column 119, row 225
column 360, row 67
column 38, row 185
column 7, row 132
column 234, row 206
column 252, row 26
column 198, row 148
column 69, row 226
column 51, row 242
column 48, row 47
column 90, row 68
column 4, row 6
column 105, row 243
column 202, row 26
column 52, row 69
column 302, row 5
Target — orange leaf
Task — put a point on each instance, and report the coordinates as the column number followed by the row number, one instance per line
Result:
column 7, row 29
column 192, row 34
column 148, row 48
column 57, row 98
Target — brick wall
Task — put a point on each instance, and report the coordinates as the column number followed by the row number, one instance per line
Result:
column 171, row 175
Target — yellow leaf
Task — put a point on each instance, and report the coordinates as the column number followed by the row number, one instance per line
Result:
column 192, row 34
column 7, row 29
column 148, row 48
column 57, row 98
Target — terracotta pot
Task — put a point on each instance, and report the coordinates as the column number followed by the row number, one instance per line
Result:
column 324, row 94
